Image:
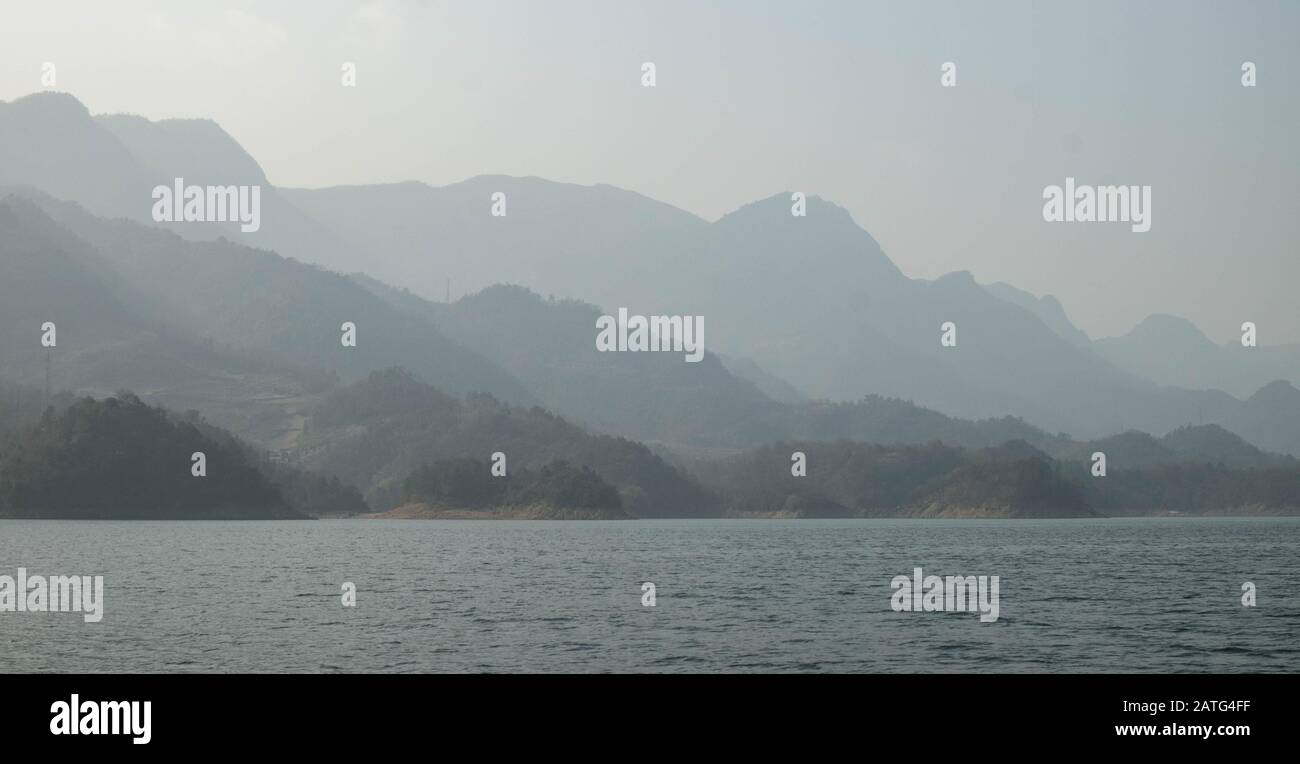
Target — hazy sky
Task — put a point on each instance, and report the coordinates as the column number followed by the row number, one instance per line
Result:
column 839, row 99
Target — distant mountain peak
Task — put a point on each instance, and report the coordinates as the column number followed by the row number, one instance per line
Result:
column 50, row 101
column 1276, row 392
column 1048, row 309
column 199, row 148
column 1163, row 326
column 964, row 278
column 780, row 203
column 828, row 239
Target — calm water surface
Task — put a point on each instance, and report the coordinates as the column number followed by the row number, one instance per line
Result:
column 1149, row 595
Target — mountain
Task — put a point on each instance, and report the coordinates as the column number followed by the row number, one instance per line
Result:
column 850, row 323
column 1193, row 444
column 376, row 432
column 50, row 141
column 1047, row 308
column 202, row 153
column 694, row 408
column 134, row 313
column 140, row 281
column 195, row 149
column 597, row 243
column 105, row 342
column 1270, row 418
column 811, row 300
column 120, row 458
column 1215, row 445
column 650, row 396
column 847, row 479
column 110, row 165
column 768, row 384
column 702, row 409
column 1173, row 351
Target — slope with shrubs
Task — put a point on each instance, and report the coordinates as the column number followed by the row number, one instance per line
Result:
column 120, row 458
column 1015, row 479
column 849, row 479
column 374, row 433
column 1195, row 489
column 553, row 491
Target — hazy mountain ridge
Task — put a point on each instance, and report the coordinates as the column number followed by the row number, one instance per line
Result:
column 690, row 407
column 106, row 341
column 166, row 148
column 597, row 243
column 376, row 432
column 695, row 408
column 1193, row 444
column 49, row 141
column 259, row 302
column 857, row 325
column 1048, row 309
column 555, row 238
column 119, row 458
column 1173, row 351
column 812, row 300
column 848, row 322
column 394, row 430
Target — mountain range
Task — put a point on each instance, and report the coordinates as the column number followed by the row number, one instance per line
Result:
column 812, row 331
column 813, row 301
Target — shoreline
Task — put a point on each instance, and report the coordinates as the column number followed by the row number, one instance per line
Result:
column 423, row 511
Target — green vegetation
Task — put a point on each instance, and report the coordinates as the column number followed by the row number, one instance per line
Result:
column 848, row 479
column 120, row 458
column 375, row 433
column 21, row 406
column 250, row 339
column 1196, row 489
column 468, row 482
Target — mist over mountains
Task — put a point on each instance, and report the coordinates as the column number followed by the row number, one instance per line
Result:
column 812, row 334
column 1171, row 351
column 252, row 338
column 813, row 300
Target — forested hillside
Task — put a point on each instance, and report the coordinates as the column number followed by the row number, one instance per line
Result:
column 120, row 458
column 374, row 433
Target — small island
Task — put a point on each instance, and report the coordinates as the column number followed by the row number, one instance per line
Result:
column 466, row 489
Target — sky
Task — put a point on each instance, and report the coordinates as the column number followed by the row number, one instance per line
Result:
column 838, row 99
